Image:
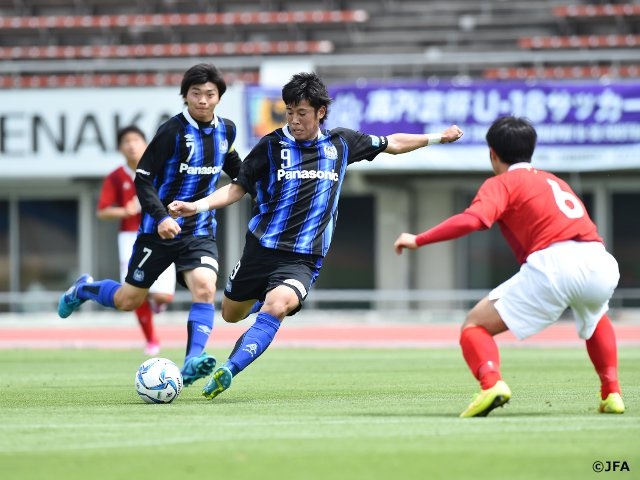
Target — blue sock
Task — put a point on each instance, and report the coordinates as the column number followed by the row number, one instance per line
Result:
column 254, row 341
column 199, row 328
column 101, row 292
column 255, row 308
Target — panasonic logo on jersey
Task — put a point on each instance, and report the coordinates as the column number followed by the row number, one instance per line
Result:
column 199, row 170
column 307, row 174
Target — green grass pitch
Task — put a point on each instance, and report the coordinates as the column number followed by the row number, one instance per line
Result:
column 306, row 414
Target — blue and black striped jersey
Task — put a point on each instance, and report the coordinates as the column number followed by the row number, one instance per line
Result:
column 183, row 162
column 298, row 185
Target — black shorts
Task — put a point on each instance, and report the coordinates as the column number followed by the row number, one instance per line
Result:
column 151, row 256
column 261, row 269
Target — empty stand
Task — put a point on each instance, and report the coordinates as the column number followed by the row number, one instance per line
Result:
column 347, row 39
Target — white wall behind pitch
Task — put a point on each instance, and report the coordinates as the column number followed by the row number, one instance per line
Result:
column 72, row 132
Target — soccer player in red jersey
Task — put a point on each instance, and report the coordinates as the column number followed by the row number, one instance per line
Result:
column 564, row 264
column 118, row 201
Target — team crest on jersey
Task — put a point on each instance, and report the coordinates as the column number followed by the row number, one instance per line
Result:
column 223, row 146
column 330, row 152
column 138, row 275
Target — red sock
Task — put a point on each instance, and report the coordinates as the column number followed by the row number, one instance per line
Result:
column 481, row 353
column 145, row 319
column 603, row 353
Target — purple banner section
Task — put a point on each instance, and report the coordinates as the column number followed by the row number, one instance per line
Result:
column 569, row 114
column 582, row 126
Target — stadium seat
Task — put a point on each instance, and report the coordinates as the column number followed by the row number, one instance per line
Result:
column 165, row 50
column 184, row 19
column 563, row 72
column 579, row 41
column 607, row 10
column 113, row 80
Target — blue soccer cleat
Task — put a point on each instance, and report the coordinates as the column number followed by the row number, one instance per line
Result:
column 219, row 382
column 69, row 301
column 197, row 367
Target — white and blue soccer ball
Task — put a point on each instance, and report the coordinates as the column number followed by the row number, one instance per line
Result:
column 158, row 380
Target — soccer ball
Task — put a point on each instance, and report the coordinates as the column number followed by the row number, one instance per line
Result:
column 158, row 380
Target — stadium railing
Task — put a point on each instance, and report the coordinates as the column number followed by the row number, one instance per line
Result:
column 46, row 301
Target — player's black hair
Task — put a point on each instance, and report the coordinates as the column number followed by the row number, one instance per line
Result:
column 202, row 73
column 309, row 87
column 513, row 139
column 128, row 129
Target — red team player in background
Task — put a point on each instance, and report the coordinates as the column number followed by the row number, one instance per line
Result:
column 563, row 260
column 118, row 201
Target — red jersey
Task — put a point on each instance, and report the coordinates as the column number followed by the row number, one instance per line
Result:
column 117, row 190
column 533, row 209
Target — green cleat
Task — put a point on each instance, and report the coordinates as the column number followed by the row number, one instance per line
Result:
column 487, row 400
column 197, row 367
column 219, row 382
column 612, row 404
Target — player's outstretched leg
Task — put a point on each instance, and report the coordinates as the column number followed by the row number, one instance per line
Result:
column 69, row 301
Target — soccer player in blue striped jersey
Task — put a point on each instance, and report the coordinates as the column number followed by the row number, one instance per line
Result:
column 297, row 172
column 183, row 161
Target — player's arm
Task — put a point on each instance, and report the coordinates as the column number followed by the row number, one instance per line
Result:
column 453, row 227
column 151, row 164
column 222, row 197
column 408, row 142
column 109, row 207
column 114, row 212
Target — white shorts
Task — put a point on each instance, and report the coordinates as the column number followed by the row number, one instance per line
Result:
column 577, row 275
column 165, row 283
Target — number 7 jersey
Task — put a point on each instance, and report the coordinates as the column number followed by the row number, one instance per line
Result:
column 533, row 209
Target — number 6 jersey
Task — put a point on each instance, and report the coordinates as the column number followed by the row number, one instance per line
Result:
column 533, row 209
